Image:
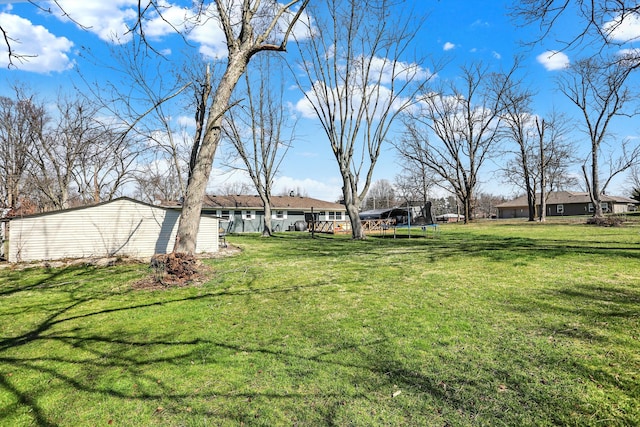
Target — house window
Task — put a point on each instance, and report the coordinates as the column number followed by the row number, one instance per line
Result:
column 279, row 215
column 248, row 214
column 604, row 206
column 333, row 216
column 225, row 215
column 560, row 209
column 590, row 207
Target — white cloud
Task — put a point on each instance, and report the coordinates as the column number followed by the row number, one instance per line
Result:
column 553, row 60
column 382, row 72
column 112, row 21
column 496, row 55
column 174, row 18
column 623, row 29
column 305, row 107
column 108, row 19
column 43, row 51
column 378, row 93
column 480, row 24
column 448, row 46
column 630, row 57
column 212, row 42
column 187, row 122
column 328, row 189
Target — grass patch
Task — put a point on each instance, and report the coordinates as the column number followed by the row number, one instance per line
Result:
column 497, row 323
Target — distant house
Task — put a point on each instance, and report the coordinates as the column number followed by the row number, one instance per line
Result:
column 566, row 203
column 121, row 227
column 450, row 217
column 245, row 214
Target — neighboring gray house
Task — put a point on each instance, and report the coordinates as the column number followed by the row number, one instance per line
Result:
column 245, row 214
column 123, row 227
column 566, row 203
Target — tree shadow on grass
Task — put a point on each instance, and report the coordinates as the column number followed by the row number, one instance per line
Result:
column 71, row 314
column 492, row 247
column 378, row 359
column 590, row 332
column 379, row 362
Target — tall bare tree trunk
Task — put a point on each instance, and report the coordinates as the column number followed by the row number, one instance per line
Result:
column 189, row 224
column 243, row 41
column 594, row 190
column 266, row 229
column 540, row 128
column 352, row 204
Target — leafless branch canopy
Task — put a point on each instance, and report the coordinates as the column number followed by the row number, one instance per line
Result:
column 600, row 22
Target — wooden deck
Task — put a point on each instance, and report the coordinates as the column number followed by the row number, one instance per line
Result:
column 370, row 227
column 378, row 226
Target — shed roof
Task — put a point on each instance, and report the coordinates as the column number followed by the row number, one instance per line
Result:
column 92, row 205
column 566, row 197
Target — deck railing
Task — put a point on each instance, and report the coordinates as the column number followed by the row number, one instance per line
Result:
column 329, row 227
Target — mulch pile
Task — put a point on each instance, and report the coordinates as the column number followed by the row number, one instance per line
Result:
column 608, row 221
column 179, row 270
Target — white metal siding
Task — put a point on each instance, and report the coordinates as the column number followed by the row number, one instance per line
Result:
column 619, row 208
column 122, row 227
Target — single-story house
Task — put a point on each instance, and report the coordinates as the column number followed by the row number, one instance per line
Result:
column 566, row 203
column 245, row 213
column 123, row 226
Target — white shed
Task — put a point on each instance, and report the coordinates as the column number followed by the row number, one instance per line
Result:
column 123, row 227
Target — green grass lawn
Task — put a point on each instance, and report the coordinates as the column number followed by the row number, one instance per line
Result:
column 497, row 323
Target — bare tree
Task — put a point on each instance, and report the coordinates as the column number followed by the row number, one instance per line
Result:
column 235, row 188
column 250, row 27
column 555, row 154
column 382, row 194
column 415, row 181
column 600, row 91
column 60, row 148
column 146, row 95
column 602, row 22
column 107, row 165
column 518, row 126
column 357, row 85
column 615, row 164
column 633, row 180
column 540, row 155
column 155, row 181
column 485, row 205
column 21, row 120
column 260, row 132
column 464, row 123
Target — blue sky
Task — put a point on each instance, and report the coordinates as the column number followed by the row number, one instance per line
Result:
column 458, row 31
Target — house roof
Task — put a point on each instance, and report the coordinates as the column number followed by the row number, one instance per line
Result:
column 248, row 202
column 566, row 198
